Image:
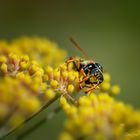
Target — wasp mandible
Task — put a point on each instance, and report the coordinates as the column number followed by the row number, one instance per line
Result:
column 90, row 73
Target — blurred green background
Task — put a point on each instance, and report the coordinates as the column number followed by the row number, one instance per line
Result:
column 109, row 31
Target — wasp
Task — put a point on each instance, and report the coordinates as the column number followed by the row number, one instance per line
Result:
column 90, row 73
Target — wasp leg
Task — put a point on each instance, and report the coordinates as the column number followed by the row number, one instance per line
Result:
column 71, row 59
column 86, row 78
column 82, row 73
column 80, row 82
column 91, row 89
column 76, row 62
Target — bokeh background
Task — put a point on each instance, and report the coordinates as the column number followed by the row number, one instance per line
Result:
column 109, row 31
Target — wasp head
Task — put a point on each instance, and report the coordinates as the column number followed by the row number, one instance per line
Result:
column 94, row 70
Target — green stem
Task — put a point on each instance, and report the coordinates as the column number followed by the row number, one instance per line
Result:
column 38, row 124
column 28, row 119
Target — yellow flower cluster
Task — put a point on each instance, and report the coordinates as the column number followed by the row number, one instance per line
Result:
column 107, row 88
column 25, row 86
column 62, row 80
column 40, row 49
column 98, row 116
column 31, row 77
column 22, row 86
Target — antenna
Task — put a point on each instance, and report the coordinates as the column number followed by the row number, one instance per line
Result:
column 79, row 48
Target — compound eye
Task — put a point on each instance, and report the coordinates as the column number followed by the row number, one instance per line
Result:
column 99, row 66
column 94, row 71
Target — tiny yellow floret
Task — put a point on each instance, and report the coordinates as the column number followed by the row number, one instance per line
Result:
column 4, row 67
column 106, row 77
column 13, row 57
column 2, row 59
column 72, row 111
column 24, row 65
column 85, row 101
column 27, row 79
column 115, row 90
column 34, row 68
column 63, row 67
column 50, row 94
column 45, row 77
column 65, row 136
column 16, row 120
column 65, row 74
column 29, row 105
column 20, row 75
column 105, row 86
column 56, row 75
column 71, row 76
column 70, row 88
column 54, row 83
column 63, row 101
column 49, row 69
column 33, row 105
column 39, row 72
column 25, row 57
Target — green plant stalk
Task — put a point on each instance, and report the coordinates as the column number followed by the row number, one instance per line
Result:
column 28, row 119
column 38, row 124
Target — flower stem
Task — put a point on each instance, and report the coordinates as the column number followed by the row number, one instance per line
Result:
column 39, row 123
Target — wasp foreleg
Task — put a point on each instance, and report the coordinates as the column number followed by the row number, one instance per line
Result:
column 91, row 89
